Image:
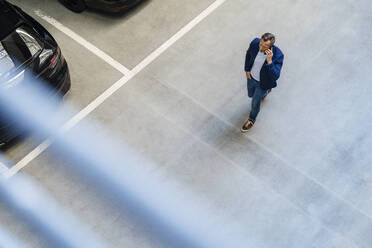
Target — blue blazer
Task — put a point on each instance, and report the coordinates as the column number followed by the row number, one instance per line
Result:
column 269, row 74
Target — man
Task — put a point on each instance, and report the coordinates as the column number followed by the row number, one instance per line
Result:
column 263, row 63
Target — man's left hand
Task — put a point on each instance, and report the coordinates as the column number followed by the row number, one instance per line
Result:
column 269, row 55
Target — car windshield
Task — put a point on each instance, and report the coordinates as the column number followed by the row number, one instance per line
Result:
column 17, row 48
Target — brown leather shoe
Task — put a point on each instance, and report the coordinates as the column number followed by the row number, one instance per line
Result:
column 247, row 125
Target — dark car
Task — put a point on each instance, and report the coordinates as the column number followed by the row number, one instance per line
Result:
column 113, row 6
column 27, row 51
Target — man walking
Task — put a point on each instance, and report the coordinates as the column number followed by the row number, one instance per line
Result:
column 263, row 63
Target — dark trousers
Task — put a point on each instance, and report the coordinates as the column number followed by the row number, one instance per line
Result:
column 256, row 93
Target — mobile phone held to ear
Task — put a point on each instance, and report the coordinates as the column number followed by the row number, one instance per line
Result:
column 268, row 49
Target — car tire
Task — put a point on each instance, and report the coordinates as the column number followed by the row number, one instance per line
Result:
column 77, row 6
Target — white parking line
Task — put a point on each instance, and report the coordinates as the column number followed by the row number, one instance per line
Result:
column 27, row 159
column 116, row 86
column 83, row 42
column 3, row 169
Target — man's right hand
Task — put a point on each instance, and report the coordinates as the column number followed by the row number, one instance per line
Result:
column 248, row 74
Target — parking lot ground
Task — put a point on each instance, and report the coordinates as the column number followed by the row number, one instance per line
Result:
column 90, row 76
column 299, row 178
column 128, row 37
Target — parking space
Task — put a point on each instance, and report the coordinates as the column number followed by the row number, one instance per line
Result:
column 301, row 178
column 130, row 37
column 127, row 38
column 90, row 76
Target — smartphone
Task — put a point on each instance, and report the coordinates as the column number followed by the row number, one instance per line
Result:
column 268, row 49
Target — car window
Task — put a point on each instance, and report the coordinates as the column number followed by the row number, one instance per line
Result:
column 17, row 48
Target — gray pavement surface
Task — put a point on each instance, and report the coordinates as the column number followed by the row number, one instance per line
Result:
column 300, row 178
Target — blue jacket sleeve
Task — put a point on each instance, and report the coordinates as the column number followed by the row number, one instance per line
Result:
column 247, row 59
column 275, row 67
column 248, row 56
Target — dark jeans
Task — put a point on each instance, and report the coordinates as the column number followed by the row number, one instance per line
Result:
column 256, row 93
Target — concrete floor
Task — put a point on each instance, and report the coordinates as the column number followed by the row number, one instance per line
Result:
column 300, row 178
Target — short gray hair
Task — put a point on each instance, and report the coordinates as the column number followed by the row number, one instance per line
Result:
column 268, row 36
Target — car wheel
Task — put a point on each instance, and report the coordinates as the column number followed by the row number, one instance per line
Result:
column 74, row 5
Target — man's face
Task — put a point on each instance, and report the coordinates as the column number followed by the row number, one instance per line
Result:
column 264, row 45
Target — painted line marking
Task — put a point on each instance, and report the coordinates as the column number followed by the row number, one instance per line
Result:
column 116, row 86
column 178, row 36
column 99, row 53
column 3, row 169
